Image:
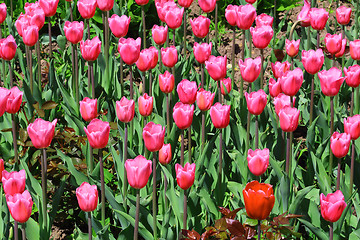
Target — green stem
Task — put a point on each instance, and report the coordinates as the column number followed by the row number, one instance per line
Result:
column 220, row 154
column 50, row 40
column 357, row 18
column 88, row 28
column 168, row 113
column 150, row 83
column 16, row 230
column 77, row 98
column 37, row 47
column 106, row 32
column 44, row 187
column 89, row 226
column 30, row 70
column 202, row 131
column 165, row 189
column 256, row 132
column 248, row 126
column 262, row 69
column 91, row 160
column 92, row 79
column 11, row 74
column 160, row 59
column 308, row 42
column 331, row 132
column 243, row 58
column 318, row 40
column 122, row 76
column 288, row 147
column 184, row 23
column 182, row 148
column 71, row 12
column 185, row 210
column 233, row 54
column 131, row 83
column 154, row 203
column 312, row 99
column 331, row 231
column 125, row 184
column 189, row 143
column 202, row 75
column 352, row 102
column 2, row 60
column 13, row 122
column 23, row 231
column 102, row 180
column 216, row 23
column 250, row 44
column 259, row 230
column 352, row 166
column 136, row 227
column 338, row 174
column 143, row 25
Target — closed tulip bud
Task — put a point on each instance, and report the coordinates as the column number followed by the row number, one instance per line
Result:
column 216, row 67
column 282, row 101
column 3, row 10
column 202, row 51
column 41, row 132
column 304, row 15
column 173, row 17
column 183, row 115
column 129, row 49
column 90, row 49
column 20, row 23
column 250, row 1
column 342, row 51
column 165, row 154
column 355, row 49
column 166, row 82
column 279, row 69
column 169, row 56
column 340, row 144
column 185, row 176
column 105, row 5
column 258, row 161
column 274, row 87
column 119, row 25
column 245, row 16
column 343, row 15
column 352, row 76
column 204, row 99
column 292, row 47
column 256, row 101
column 14, row 101
column 154, row 57
column 4, row 95
column 333, row 43
column 144, row 61
column 312, row 60
column 138, row 171
column 264, row 20
column 145, row 105
column 231, row 14
column 1, row 168
column 262, row 36
column 331, row 81
column 200, row 26
column 318, row 18
column 153, row 135
column 98, row 133
column 49, row 7
column 259, row 200
column 332, row 206
column 87, row 8
column 162, row 7
column 250, row 69
column 289, row 119
column 187, row 91
column 185, row 3
column 88, row 109
column 87, row 196
column 125, row 109
column 159, row 34
column 352, row 126
column 227, row 83
column 207, row 5
column 8, row 48
column 20, row 206
column 291, row 81
column 35, row 14
column 142, row 2
column 30, row 35
column 220, row 115
column 13, row 182
column 74, row 31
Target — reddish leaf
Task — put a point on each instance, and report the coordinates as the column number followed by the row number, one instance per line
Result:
column 279, row 54
column 224, row 211
column 192, row 235
column 249, row 232
column 210, row 231
column 220, row 224
column 294, row 216
column 235, row 227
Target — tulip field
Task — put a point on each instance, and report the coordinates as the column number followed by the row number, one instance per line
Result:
column 170, row 120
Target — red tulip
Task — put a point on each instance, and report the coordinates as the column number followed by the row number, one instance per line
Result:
column 169, row 56
column 49, row 7
column 282, row 101
column 173, row 17
column 41, row 132
column 153, row 135
column 159, row 34
column 274, row 87
column 144, row 60
column 332, row 206
column 30, row 35
column 105, row 5
column 289, row 119
column 183, row 115
column 119, row 25
column 258, row 161
column 352, row 76
column 312, row 60
column 216, row 67
column 74, row 31
column 291, row 81
column 262, row 36
column 264, row 19
column 13, row 182
column 187, row 91
column 256, row 101
column 145, row 105
column 35, row 13
column 185, row 176
column 125, row 109
column 250, row 69
column 200, row 26
column 352, row 126
column 20, row 206
column 250, row 1
column 342, row 51
column 88, row 109
column 333, row 43
column 204, row 99
column 331, row 81
column 355, row 49
column 279, row 69
column 227, row 83
column 165, row 154
column 202, row 51
column 340, row 144
column 185, row 3
column 3, row 10
column 220, row 115
column 138, row 171
column 1, row 168
column 292, row 47
column 87, row 196
column 90, row 49
column 343, row 15
column 166, row 82
column 142, row 2
column 231, row 14
column 87, row 8
column 304, row 15
column 129, row 49
column 14, row 101
column 154, row 57
column 98, row 133
column 245, row 16
column 8, row 48
column 318, row 18
column 207, row 5
column 4, row 95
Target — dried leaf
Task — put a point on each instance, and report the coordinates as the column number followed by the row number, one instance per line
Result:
column 279, row 54
column 49, row 105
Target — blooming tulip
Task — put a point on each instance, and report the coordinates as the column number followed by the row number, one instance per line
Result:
column 187, row 91
column 246, row 15
column 20, row 206
column 330, row 81
column 183, row 115
column 259, row 200
column 87, row 8
column 291, row 81
column 145, row 105
column 30, row 35
column 119, row 25
column 49, row 7
column 90, row 49
column 352, row 76
column 343, row 15
column 159, row 34
column 250, row 69
column 144, row 60
column 256, row 101
column 3, row 10
column 4, row 95
column 264, row 19
column 202, row 51
column 87, row 196
column 216, row 67
column 88, row 109
column 292, row 47
column 41, row 132
column 262, row 36
column 227, row 83
column 355, row 49
column 173, row 17
column 153, row 135
column 97, row 133
column 166, row 82
column 35, row 14
column 13, row 182
column 231, row 14
column 274, row 87
column 340, row 144
column 207, row 5
column 141, row 2
column 185, row 3
column 204, row 99
column 138, row 171
column 304, row 15
column 14, row 101
column 289, row 119
column 1, row 168
column 342, row 50
column 282, row 101
column 185, row 176
column 200, row 26
column 333, row 43
column 312, row 60
column 125, row 109
column 332, row 206
column 74, row 31
column 169, row 56
column 105, row 5
column 8, row 48
column 318, row 18
column 164, row 7
column 352, row 126
column 279, row 68
column 165, row 154
column 129, row 49
column 220, row 115
column 258, row 161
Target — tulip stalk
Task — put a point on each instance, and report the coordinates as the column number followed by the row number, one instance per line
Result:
column 312, row 99
column 75, row 69
column 248, row 126
column 50, row 42
column 122, row 76
column 182, row 148
column 37, row 47
column 136, row 227
column 91, row 67
column 189, row 143
column 185, row 210
column 13, row 129
column 29, row 62
column 184, row 22
column 154, row 204
column 331, row 131
column 125, row 187
column 143, row 25
column 338, row 174
column 168, row 113
column 262, row 69
column 256, row 132
column 216, row 23
column 202, row 131
column 131, row 83
column 23, row 231
column 71, row 13
column 16, row 230
column 233, row 54
column 89, row 225
column 2, row 60
column 102, row 180
column 352, row 166
column 243, row 58
column 331, row 231
column 259, row 229
column 44, row 186
column 202, row 75
column 150, row 83
column 288, row 147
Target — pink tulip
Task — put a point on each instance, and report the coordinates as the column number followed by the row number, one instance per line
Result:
column 227, row 83
column 30, row 35
column 8, row 48
column 125, row 109
column 289, row 119
column 332, row 206
column 159, row 34
column 3, row 10
column 342, row 51
column 282, row 101
column 141, row 2
column 220, row 115
column 352, row 76
column 274, row 87
column 166, row 82
column 207, row 5
column 185, row 3
column 204, row 99
column 291, row 81
column 245, row 16
column 250, row 1
column 169, row 56
column 20, row 206
column 74, row 31
column 154, row 59
column 333, row 43
column 165, row 154
column 13, row 182
column 200, row 26
column 340, row 144
column 98, row 133
column 119, row 25
column 87, row 196
column 304, row 15
column 256, row 101
column 331, row 81
column 105, row 5
column 343, row 15
column 145, row 105
column 352, row 126
column 1, row 168
column 216, row 67
column 250, row 69
column 49, row 7
column 262, row 36
column 90, row 49
column 258, row 161
column 183, row 115
column 129, row 49
column 312, row 60
column 41, row 132
column 35, row 14
column 153, row 135
column 4, row 95
column 187, row 91
column 185, row 176
column 318, row 18
column 163, row 7
column 87, row 8
column 144, row 60
column 264, row 19
column 14, row 101
column 173, row 17
column 355, row 49
column 292, row 47
column 202, row 51
column 231, row 14
column 22, row 21
column 88, row 109
column 138, row 171
column 279, row 69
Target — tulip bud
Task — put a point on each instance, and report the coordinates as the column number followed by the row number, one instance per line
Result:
column 312, row 60
column 250, row 1
column 291, row 81
column 185, row 176
column 119, row 25
column 352, row 126
column 41, row 132
column 200, row 26
column 8, row 48
column 274, row 87
column 159, row 34
column 250, row 69
column 125, row 109
column 355, row 49
column 333, row 43
column 304, row 15
column 289, row 119
column 87, row 8
column 292, row 47
column 187, row 91
column 216, row 67
column 145, row 105
column 340, row 144
column 141, row 2
column 153, row 135
column 204, row 99
column 261, row 36
column 258, row 161
column 30, row 35
column 332, row 206
column 352, row 75
column 20, row 206
column 98, row 133
column 343, row 15
column 74, row 31
column 220, row 115
column 231, row 14
column 14, row 101
column 207, row 5
column 49, row 7
column 183, row 115
column 279, row 69
column 169, row 56
column 90, row 49
column 13, row 182
column 173, row 17
column 246, row 15
column 88, row 109
column 331, row 81
column 185, row 3
column 138, row 171
column 144, row 60
column 154, row 57
column 165, row 154
column 166, row 82
column 87, row 196
column 105, row 5
column 318, row 18
column 256, row 101
column 227, row 83
column 202, row 52
column 129, row 50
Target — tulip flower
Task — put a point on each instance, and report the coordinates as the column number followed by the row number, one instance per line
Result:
column 264, row 20
column 153, row 135
column 202, row 51
column 88, row 109
column 256, row 101
column 204, row 99
column 159, row 34
column 231, row 14
column 20, row 206
column 145, row 105
column 14, row 100
column 105, row 5
column 291, row 81
column 330, row 81
column 163, row 7
column 129, row 49
column 4, row 95
column 87, row 196
column 250, row 69
column 166, row 82
column 318, row 18
column 3, row 10
column 13, row 182
column 216, row 67
column 185, row 176
column 304, row 15
column 227, row 83
column 333, row 43
column 355, row 49
column 97, row 133
column 340, row 144
column 352, row 126
column 35, row 14
column 258, row 161
column 90, row 49
column 246, row 15
column 169, row 56
column 1, row 168
column 8, row 48
column 282, row 101
column 74, row 31
column 30, row 35
column 185, row 3
column 141, row 2
column 207, row 5
column 332, row 206
column 289, row 119
column 200, row 26
column 119, row 25
column 165, row 154
column 87, row 8
column 352, row 75
column 187, row 91
column 138, row 171
column 279, row 69
column 342, row 51
column 220, row 115
column 41, row 132
column 173, row 17
column 22, row 21
column 125, row 109
column 183, row 115
column 259, row 200
column 274, row 87
column 312, row 60
column 49, row 7
column 250, row 1
column 343, row 15
column 261, row 36
column 144, row 61
column 292, row 47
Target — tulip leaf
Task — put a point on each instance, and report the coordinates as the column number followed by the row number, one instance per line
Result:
column 317, row 231
column 78, row 176
column 32, row 230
